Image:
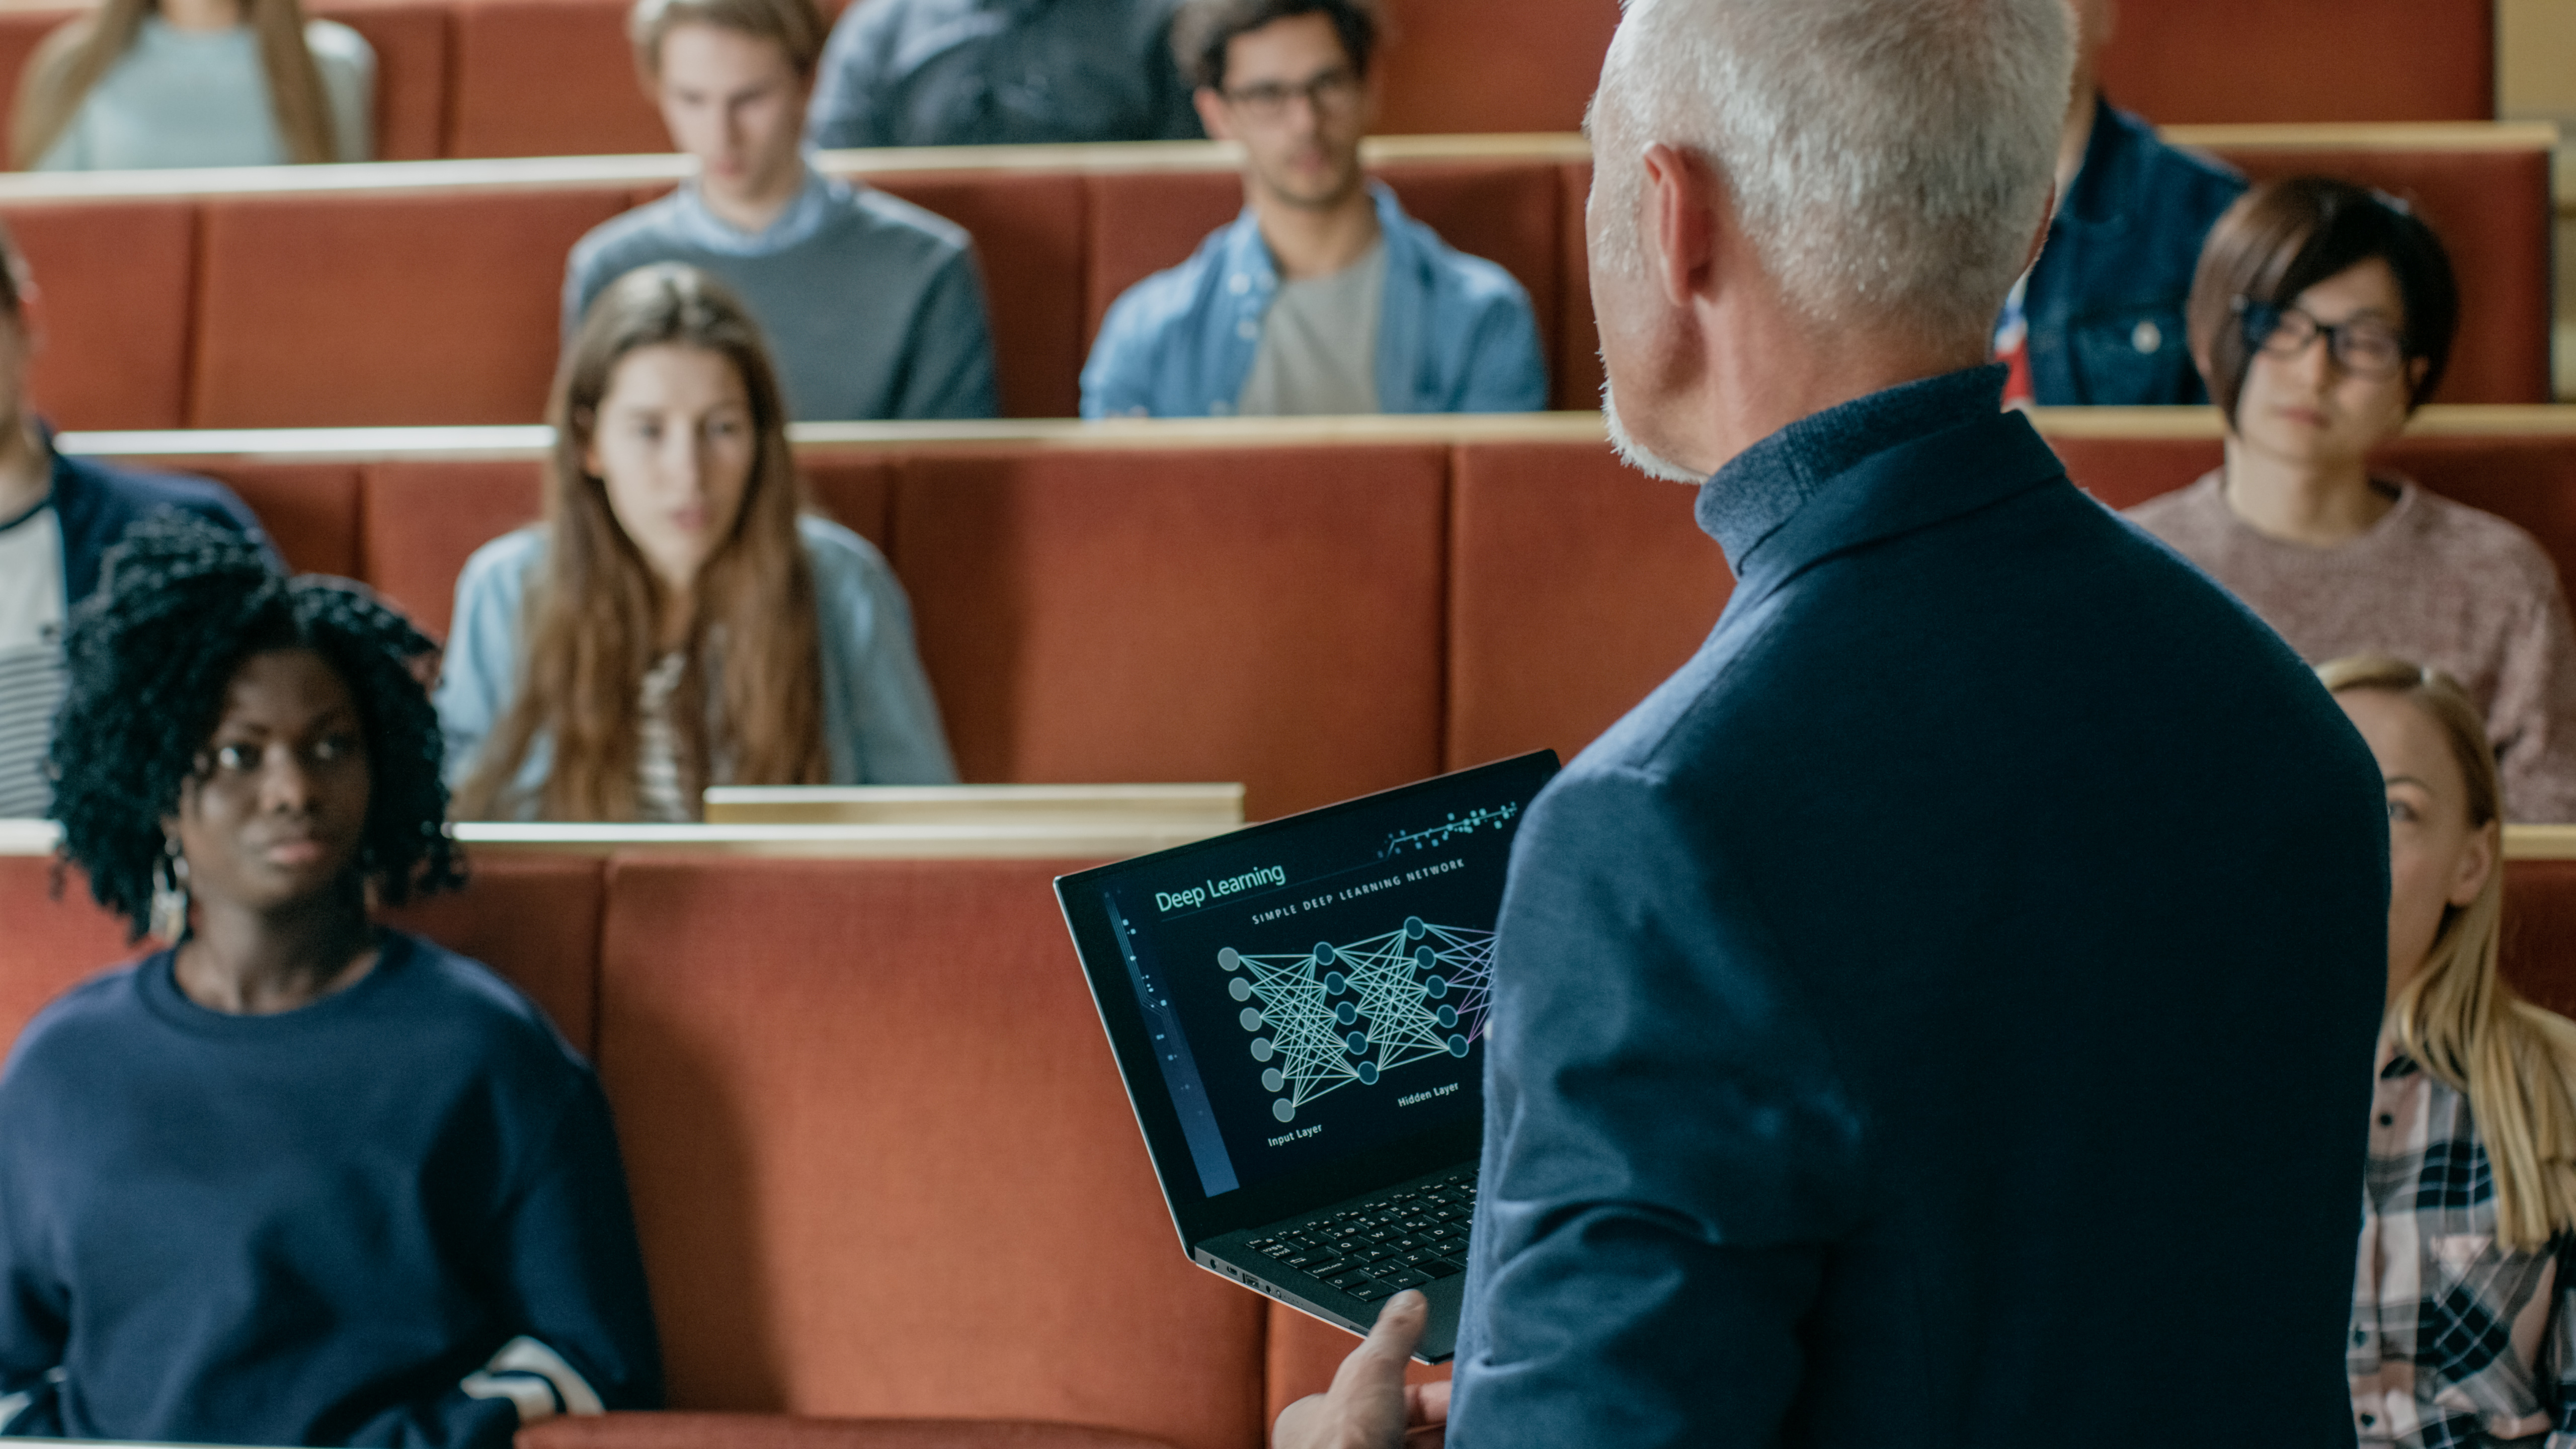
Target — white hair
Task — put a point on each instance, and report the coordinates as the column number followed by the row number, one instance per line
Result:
column 1889, row 160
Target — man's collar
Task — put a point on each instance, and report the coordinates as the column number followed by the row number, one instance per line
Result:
column 801, row 218
column 1895, row 460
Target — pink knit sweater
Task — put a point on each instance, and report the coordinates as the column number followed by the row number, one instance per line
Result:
column 2435, row 582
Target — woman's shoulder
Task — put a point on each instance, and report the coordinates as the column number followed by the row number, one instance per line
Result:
column 2478, row 541
column 337, row 47
column 472, row 998
column 77, row 1025
column 839, row 556
column 505, row 562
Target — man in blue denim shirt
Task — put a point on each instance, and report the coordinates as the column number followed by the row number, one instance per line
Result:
column 2103, row 307
column 1323, row 297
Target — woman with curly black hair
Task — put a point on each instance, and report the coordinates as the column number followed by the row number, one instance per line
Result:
column 296, row 1179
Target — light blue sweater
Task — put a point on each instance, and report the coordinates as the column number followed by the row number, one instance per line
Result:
column 189, row 98
column 880, row 724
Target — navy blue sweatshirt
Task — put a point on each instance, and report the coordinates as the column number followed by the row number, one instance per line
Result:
column 395, row 1216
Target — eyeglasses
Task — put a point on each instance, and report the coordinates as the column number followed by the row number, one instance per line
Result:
column 2364, row 347
column 1331, row 94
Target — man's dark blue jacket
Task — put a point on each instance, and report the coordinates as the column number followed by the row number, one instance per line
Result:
column 2105, row 302
column 1942, row 1013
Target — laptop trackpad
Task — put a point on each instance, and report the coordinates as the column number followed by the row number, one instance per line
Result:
column 1440, row 1336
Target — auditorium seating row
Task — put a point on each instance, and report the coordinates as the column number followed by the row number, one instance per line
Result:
column 1316, row 609
column 482, row 78
column 430, row 294
column 879, row 1152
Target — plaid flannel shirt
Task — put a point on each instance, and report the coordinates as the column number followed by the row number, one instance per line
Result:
column 2453, row 1340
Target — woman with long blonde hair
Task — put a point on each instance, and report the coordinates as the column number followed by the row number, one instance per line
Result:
column 676, row 621
column 150, row 84
column 2460, row 1329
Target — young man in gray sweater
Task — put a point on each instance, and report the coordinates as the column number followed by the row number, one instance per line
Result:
column 873, row 307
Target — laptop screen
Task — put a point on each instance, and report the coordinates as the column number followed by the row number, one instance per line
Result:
column 1296, row 994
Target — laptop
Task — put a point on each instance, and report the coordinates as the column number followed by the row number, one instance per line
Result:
column 1298, row 1009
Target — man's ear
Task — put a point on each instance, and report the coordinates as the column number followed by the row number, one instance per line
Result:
column 1212, row 113
column 1678, row 197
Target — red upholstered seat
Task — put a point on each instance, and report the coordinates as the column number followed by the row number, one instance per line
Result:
column 416, row 308
column 2179, row 61
column 1263, row 615
column 2125, row 472
column 49, row 943
column 882, row 1162
column 115, row 286
column 1576, row 586
column 2540, row 931
column 792, row 1431
column 547, row 78
column 425, row 519
column 1475, row 66
column 410, row 38
column 1575, row 371
column 1028, row 230
column 2494, row 213
column 309, row 509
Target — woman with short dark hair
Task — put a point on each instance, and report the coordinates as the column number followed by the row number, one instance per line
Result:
column 295, row 1178
column 2322, row 316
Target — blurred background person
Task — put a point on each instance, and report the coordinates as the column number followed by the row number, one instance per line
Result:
column 2098, row 319
column 2460, row 1326
column 2323, row 315
column 294, row 1179
column 148, row 84
column 59, row 515
column 872, row 306
column 676, row 622
column 1000, row 72
column 1323, row 296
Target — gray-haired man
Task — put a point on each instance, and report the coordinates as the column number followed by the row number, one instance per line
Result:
column 1941, row 1014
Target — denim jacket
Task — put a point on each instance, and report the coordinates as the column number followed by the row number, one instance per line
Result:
column 1455, row 334
column 2105, row 302
column 880, row 724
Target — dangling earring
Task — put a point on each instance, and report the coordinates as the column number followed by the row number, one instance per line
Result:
column 170, row 895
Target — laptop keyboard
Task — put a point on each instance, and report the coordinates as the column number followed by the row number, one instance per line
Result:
column 1386, row 1244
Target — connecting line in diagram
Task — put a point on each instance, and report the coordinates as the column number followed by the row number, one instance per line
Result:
column 1326, row 1018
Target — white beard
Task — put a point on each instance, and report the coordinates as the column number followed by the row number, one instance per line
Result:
column 1636, row 455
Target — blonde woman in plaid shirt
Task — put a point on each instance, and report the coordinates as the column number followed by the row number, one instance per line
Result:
column 2459, row 1333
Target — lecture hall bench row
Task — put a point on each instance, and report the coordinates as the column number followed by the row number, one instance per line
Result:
column 430, row 293
column 880, row 1157
column 484, row 78
column 1314, row 608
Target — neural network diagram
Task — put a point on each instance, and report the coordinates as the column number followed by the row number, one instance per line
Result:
column 1325, row 1018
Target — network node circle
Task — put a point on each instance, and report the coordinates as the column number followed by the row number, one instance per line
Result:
column 1447, row 1016
column 1423, row 956
column 1457, row 1046
column 1273, row 1079
column 1239, row 989
column 1251, row 1018
column 1335, row 983
column 1325, row 955
column 1358, row 1043
column 1261, row 1048
column 1230, row 958
column 1346, row 1013
column 1414, row 930
column 1368, row 1074
column 1434, row 986
column 1284, row 1110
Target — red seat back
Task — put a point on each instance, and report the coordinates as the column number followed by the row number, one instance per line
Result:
column 882, row 1163
column 115, row 293
column 1270, row 616
column 2189, row 61
column 547, row 78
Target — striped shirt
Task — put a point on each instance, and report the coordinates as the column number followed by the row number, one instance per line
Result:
column 31, row 656
column 658, row 796
column 2454, row 1340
